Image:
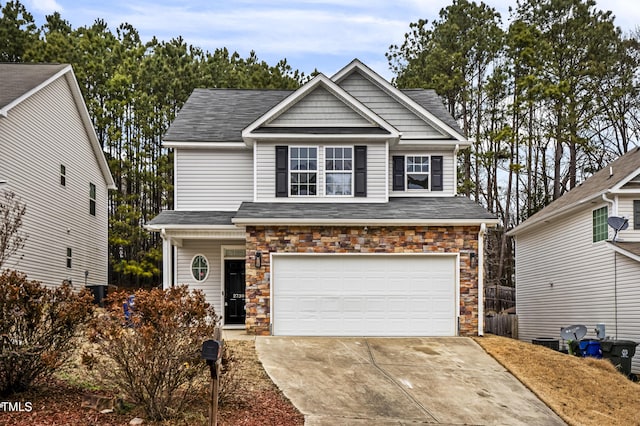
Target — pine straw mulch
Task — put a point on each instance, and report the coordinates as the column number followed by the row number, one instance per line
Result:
column 583, row 391
column 248, row 398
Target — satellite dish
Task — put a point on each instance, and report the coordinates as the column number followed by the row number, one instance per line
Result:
column 573, row 332
column 618, row 223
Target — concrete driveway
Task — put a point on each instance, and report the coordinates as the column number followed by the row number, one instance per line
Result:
column 391, row 381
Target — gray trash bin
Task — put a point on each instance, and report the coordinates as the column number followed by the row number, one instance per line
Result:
column 619, row 352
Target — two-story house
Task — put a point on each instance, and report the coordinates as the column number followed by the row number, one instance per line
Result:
column 572, row 267
column 328, row 210
column 52, row 160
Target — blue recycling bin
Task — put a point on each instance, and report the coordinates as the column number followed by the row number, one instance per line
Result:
column 591, row 348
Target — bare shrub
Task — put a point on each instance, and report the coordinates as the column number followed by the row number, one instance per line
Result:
column 12, row 239
column 154, row 358
column 37, row 329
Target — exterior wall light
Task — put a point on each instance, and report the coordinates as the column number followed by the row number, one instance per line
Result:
column 258, row 259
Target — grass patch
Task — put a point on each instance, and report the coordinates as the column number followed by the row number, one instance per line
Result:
column 583, row 391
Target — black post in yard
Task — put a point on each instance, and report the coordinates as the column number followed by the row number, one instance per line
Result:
column 212, row 353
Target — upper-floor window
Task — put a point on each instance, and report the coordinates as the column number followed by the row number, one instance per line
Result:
column 303, row 170
column 339, row 171
column 92, row 199
column 600, row 230
column 69, row 257
column 636, row 214
column 63, row 175
column 417, row 172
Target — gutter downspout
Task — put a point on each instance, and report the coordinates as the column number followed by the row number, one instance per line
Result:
column 455, row 168
column 614, row 205
column 166, row 260
column 481, row 234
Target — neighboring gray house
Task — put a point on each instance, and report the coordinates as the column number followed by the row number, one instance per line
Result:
column 568, row 268
column 328, row 210
column 50, row 157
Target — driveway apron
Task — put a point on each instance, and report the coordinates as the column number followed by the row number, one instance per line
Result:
column 391, row 381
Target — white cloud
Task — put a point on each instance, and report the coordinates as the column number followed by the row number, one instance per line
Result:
column 44, row 6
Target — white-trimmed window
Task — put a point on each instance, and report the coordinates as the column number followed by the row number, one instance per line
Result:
column 417, row 172
column 63, row 175
column 199, row 267
column 92, row 199
column 338, row 170
column 69, row 253
column 599, row 224
column 303, row 171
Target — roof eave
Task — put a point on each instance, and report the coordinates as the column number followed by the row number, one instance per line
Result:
column 190, row 227
column 364, row 222
column 528, row 224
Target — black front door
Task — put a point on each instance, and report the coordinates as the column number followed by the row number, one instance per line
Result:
column 234, row 287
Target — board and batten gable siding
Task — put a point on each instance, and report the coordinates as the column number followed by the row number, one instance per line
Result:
column 563, row 278
column 320, row 108
column 38, row 135
column 448, row 173
column 213, row 179
column 212, row 251
column 389, row 109
column 266, row 173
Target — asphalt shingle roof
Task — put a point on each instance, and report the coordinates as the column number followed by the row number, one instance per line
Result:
column 220, row 115
column 17, row 79
column 593, row 187
column 173, row 217
column 438, row 208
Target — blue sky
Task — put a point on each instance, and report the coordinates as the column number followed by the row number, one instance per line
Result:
column 322, row 34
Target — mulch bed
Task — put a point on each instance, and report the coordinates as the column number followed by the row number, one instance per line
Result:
column 250, row 399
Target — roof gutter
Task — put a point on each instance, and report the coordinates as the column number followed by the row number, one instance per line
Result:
column 363, row 221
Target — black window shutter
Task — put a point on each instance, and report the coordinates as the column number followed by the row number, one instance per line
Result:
column 436, row 173
column 636, row 214
column 360, row 171
column 282, row 169
column 398, row 173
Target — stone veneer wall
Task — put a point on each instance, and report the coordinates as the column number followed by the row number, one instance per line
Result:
column 375, row 239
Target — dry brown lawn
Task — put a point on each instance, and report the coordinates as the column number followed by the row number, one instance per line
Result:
column 583, row 391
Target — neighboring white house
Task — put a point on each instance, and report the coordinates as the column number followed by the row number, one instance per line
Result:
column 569, row 269
column 50, row 157
column 328, row 210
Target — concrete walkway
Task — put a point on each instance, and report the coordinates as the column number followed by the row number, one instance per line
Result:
column 391, row 381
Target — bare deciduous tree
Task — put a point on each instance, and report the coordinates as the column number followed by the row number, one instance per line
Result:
column 12, row 239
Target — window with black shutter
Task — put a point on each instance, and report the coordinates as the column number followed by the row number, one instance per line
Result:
column 282, row 167
column 436, row 173
column 361, row 171
column 398, row 172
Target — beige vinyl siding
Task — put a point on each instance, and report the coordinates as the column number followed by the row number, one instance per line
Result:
column 214, row 179
column 320, row 108
column 212, row 285
column 625, row 208
column 38, row 135
column 265, row 173
column 562, row 253
column 627, row 272
column 448, row 170
column 388, row 108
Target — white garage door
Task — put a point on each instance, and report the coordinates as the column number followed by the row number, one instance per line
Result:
column 363, row 295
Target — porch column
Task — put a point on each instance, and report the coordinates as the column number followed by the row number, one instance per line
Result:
column 166, row 261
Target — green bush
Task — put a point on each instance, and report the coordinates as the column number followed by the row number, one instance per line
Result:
column 37, row 329
column 154, row 359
